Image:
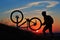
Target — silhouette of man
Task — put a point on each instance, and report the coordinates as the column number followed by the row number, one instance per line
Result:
column 48, row 21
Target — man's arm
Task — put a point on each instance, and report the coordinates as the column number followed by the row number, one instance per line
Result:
column 43, row 23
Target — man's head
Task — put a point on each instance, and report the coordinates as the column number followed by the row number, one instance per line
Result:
column 44, row 13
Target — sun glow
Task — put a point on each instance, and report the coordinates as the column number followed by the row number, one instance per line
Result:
column 37, row 30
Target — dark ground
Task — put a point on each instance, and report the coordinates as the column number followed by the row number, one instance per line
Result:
column 9, row 32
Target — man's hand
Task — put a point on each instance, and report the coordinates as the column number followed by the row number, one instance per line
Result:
column 43, row 23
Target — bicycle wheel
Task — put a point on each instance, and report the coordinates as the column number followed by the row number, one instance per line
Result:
column 35, row 23
column 14, row 15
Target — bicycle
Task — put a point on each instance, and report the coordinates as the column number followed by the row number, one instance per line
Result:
column 30, row 22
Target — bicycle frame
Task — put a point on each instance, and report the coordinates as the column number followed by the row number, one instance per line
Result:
column 27, row 20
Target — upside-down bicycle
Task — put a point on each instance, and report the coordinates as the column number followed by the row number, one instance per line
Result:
column 33, row 23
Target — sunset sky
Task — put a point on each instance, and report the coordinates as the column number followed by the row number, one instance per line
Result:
column 31, row 8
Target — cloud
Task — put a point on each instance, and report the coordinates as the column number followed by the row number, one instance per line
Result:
column 28, row 5
column 52, row 4
column 24, row 7
column 21, row 8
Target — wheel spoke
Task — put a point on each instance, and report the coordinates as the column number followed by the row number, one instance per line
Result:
column 16, row 18
column 35, row 23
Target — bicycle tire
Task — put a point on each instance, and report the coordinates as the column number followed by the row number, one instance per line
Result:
column 38, row 20
column 13, row 13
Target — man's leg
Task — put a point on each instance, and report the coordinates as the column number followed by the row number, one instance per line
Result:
column 45, row 28
column 50, row 30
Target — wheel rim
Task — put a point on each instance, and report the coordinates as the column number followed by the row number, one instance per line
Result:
column 38, row 27
column 12, row 15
